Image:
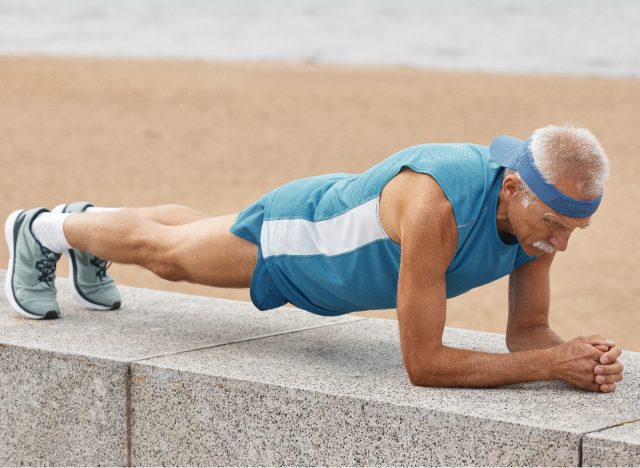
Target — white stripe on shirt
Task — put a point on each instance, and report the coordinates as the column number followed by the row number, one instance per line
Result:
column 357, row 227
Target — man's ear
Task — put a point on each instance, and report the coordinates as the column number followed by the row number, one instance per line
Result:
column 510, row 185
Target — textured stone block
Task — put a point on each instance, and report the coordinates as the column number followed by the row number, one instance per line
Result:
column 339, row 395
column 64, row 383
column 176, row 379
column 150, row 323
column 61, row 409
column 618, row 446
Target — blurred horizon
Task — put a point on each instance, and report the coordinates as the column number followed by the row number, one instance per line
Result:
column 574, row 37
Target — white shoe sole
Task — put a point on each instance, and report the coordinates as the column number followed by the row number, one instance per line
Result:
column 72, row 274
column 8, row 289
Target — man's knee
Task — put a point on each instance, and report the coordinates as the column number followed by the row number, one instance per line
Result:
column 169, row 271
column 164, row 260
column 158, row 253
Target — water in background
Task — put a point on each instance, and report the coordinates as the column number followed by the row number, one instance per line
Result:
column 588, row 37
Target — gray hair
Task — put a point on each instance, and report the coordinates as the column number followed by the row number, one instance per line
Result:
column 567, row 152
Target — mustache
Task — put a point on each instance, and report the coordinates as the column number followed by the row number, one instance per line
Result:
column 544, row 246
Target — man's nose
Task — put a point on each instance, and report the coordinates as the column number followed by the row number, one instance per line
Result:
column 560, row 240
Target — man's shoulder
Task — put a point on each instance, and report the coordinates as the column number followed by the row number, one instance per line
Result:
column 426, row 216
column 414, row 188
column 466, row 163
column 419, row 194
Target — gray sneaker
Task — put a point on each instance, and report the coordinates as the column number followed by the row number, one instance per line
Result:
column 31, row 274
column 93, row 287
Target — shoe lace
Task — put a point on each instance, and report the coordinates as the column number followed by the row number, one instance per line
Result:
column 47, row 266
column 101, row 267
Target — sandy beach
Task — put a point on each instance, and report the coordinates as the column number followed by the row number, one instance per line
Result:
column 216, row 136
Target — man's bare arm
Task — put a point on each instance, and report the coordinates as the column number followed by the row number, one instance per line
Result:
column 528, row 325
column 529, row 297
column 429, row 236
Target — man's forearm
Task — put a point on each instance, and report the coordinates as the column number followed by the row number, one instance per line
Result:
column 452, row 367
column 540, row 337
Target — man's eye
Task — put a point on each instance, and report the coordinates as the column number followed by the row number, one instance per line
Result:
column 554, row 224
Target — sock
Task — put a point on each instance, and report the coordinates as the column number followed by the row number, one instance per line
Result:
column 47, row 229
column 99, row 209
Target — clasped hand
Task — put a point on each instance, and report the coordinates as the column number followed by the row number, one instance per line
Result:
column 589, row 362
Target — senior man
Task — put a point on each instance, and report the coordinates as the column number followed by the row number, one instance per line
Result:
column 428, row 223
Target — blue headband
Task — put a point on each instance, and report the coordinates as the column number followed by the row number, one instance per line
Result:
column 516, row 154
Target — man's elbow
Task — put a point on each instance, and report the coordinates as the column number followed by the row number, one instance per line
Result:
column 516, row 340
column 425, row 375
column 513, row 344
column 418, row 379
column 425, row 379
column 534, row 337
column 421, row 382
column 428, row 367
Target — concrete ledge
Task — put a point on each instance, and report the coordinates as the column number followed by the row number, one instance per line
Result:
column 339, row 396
column 60, row 409
column 618, row 446
column 182, row 380
column 65, row 383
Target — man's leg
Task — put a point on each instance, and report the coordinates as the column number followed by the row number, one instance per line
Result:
column 202, row 251
column 92, row 285
column 170, row 215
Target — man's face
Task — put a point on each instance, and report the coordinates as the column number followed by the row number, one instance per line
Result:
column 540, row 229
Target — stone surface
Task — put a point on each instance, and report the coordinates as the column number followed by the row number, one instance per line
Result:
column 340, row 395
column 181, row 380
column 58, row 409
column 618, row 446
column 150, row 323
column 64, row 383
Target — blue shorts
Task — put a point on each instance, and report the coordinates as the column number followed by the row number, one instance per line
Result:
column 264, row 293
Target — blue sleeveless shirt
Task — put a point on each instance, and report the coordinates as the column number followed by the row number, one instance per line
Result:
column 325, row 250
